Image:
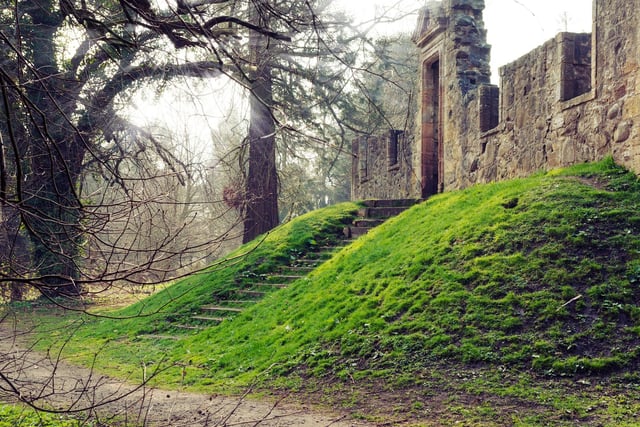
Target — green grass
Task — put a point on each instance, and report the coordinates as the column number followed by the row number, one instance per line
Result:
column 117, row 334
column 516, row 289
column 16, row 416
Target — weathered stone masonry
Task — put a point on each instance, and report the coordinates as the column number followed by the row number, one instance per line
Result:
column 573, row 99
column 382, row 166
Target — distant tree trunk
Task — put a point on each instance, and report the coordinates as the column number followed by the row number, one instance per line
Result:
column 13, row 251
column 261, row 187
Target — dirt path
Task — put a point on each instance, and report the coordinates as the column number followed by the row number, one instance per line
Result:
column 49, row 382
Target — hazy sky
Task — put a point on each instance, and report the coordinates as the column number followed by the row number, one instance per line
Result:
column 514, row 26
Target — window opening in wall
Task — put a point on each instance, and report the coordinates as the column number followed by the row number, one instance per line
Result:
column 489, row 96
column 392, row 147
column 575, row 71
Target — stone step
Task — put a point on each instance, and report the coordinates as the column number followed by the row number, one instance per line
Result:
column 310, row 263
column 159, row 337
column 383, row 212
column 366, row 222
column 301, row 268
column 220, row 308
column 284, row 277
column 238, row 301
column 312, row 260
column 208, row 318
column 387, row 203
column 375, row 213
column 306, row 259
column 323, row 255
column 189, row 327
column 273, row 285
column 356, row 231
column 250, row 292
column 328, row 250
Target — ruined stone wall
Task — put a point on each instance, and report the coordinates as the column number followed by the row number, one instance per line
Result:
column 574, row 99
column 465, row 67
column 617, row 74
column 382, row 167
column 546, row 119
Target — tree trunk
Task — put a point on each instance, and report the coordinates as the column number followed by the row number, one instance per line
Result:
column 261, row 191
column 51, row 207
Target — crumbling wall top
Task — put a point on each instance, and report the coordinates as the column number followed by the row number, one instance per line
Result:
column 476, row 5
column 435, row 16
column 431, row 20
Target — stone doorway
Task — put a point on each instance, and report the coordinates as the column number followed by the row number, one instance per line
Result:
column 432, row 150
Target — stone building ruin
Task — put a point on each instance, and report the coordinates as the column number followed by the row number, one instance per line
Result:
column 574, row 99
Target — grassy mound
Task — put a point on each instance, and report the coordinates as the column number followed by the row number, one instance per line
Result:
column 122, row 341
column 537, row 275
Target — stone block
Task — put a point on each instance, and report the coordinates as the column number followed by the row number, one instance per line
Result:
column 632, row 107
column 622, row 131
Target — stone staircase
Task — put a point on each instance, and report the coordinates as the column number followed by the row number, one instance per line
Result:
column 374, row 213
column 251, row 288
column 242, row 297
